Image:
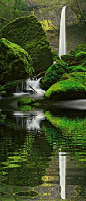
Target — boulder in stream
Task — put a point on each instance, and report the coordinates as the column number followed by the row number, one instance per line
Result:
column 15, row 62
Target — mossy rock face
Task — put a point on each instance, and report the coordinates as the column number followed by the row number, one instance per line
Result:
column 15, row 62
column 81, row 56
column 54, row 73
column 68, row 58
column 29, row 34
column 74, row 87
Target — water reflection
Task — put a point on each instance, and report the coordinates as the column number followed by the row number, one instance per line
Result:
column 42, row 154
column 31, row 119
column 62, row 172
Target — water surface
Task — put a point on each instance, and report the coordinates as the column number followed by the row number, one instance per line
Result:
column 43, row 151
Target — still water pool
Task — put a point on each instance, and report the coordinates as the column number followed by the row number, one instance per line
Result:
column 43, row 152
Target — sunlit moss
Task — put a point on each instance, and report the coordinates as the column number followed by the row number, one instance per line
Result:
column 71, row 88
column 15, row 62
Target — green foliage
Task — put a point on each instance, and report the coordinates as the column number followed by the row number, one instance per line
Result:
column 28, row 33
column 80, row 48
column 3, row 22
column 55, row 55
column 77, row 69
column 25, row 101
column 54, row 73
column 27, row 104
column 3, row 119
column 3, row 93
column 72, row 52
column 13, row 9
column 72, row 88
column 68, row 129
column 40, row 53
column 81, row 56
column 67, row 58
column 15, row 62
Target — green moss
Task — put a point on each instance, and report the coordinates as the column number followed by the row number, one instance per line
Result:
column 67, row 58
column 3, row 93
column 54, row 73
column 72, row 88
column 28, row 33
column 3, row 22
column 74, row 128
column 81, row 56
column 55, row 55
column 25, row 101
column 15, row 62
column 77, row 69
column 80, row 48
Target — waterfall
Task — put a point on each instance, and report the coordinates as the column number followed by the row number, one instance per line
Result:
column 31, row 85
column 62, row 37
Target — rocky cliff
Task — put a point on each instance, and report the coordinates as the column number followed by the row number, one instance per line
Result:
column 48, row 13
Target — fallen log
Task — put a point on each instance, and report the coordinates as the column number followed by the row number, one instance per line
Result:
column 33, row 89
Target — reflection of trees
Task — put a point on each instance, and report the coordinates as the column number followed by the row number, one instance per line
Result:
column 70, row 131
column 69, row 134
column 28, row 150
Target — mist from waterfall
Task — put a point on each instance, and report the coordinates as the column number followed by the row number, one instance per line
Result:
column 62, row 37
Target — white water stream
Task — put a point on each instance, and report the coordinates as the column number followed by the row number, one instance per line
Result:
column 31, row 85
column 62, row 37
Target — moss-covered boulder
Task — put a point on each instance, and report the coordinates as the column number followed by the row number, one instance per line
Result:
column 68, row 58
column 29, row 34
column 74, row 87
column 25, row 101
column 80, row 48
column 81, row 56
column 27, row 104
column 15, row 62
column 54, row 73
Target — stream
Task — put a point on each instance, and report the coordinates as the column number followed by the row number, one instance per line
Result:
column 42, row 150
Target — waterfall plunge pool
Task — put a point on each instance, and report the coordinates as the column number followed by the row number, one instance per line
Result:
column 43, row 151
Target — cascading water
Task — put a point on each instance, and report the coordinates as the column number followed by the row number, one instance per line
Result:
column 31, row 85
column 62, row 37
column 34, row 85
